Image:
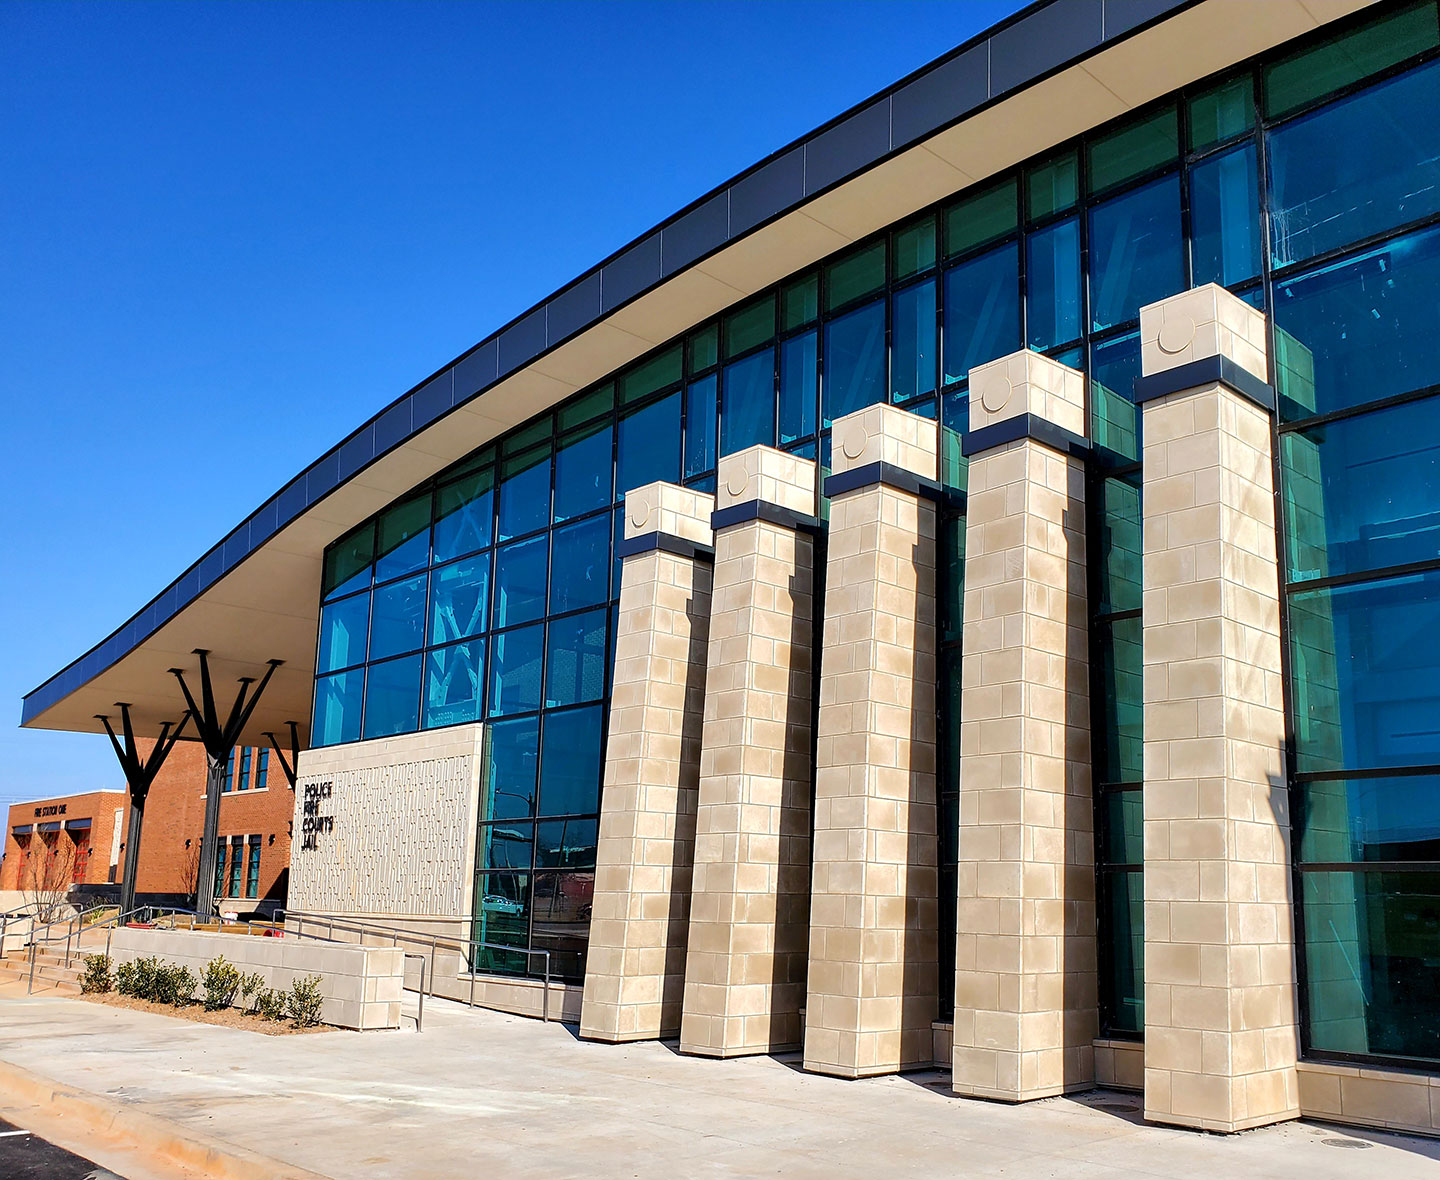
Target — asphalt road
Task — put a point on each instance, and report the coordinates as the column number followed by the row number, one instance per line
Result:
column 24, row 1156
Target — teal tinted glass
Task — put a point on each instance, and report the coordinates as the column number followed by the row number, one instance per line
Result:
column 747, row 403
column 914, row 249
column 524, row 493
column 459, row 599
column 464, row 516
column 1052, row 187
column 1123, row 993
column 750, row 326
column 1137, row 253
column 1120, row 550
column 565, row 844
column 392, row 697
column 455, row 684
column 1115, row 420
column 508, row 786
column 981, row 217
column 914, row 349
column 403, row 538
column 580, row 565
column 1222, row 112
column 570, row 764
column 344, row 633
column 338, row 703
column 1363, row 493
column 1122, row 830
column 575, row 659
column 1225, row 218
column 520, row 573
column 952, row 581
column 583, row 465
column 1119, row 756
column 347, row 562
column 516, row 664
column 649, row 445
column 397, row 618
column 1388, row 173
column 1336, row 62
column 653, row 375
column 587, row 407
column 700, row 411
column 1133, row 150
column 799, row 386
column 1369, row 941
column 854, row 372
column 1052, row 269
column 800, row 302
column 1368, row 819
column 855, row 275
column 982, row 311
column 704, row 348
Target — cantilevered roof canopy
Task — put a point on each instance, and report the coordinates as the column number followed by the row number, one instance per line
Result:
column 1045, row 75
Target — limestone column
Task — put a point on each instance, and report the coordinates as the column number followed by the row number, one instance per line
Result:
column 874, row 915
column 750, row 902
column 1220, row 994
column 635, row 969
column 1026, row 1012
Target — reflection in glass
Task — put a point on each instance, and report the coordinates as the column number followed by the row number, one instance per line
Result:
column 502, row 918
column 455, row 684
column 525, row 493
column 582, row 473
column 338, row 701
column 1052, row 270
column 649, row 445
column 343, row 627
column 1119, row 757
column 1115, row 420
column 392, row 697
column 580, row 565
column 347, row 562
column 854, row 373
column 982, row 311
column 397, row 622
column 747, row 403
column 1133, row 149
column 575, row 669
column 1123, row 933
column 1225, row 218
column 1120, row 551
column 855, row 275
column 700, row 425
column 459, row 598
column 799, row 386
column 1137, row 254
column 515, row 664
column 1368, row 819
column 403, row 538
column 561, row 922
column 1122, row 832
column 520, row 580
column 570, row 765
column 980, row 217
column 464, row 516
column 512, row 762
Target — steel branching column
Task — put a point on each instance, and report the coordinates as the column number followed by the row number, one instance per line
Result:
column 219, row 739
column 139, row 774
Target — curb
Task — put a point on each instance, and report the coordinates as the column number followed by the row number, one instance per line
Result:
column 49, row 1108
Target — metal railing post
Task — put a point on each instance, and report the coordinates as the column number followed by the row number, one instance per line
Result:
column 432, row 964
column 545, row 1003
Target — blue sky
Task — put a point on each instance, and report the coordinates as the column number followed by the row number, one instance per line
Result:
column 230, row 232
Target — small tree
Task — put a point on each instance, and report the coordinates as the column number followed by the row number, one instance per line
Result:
column 46, row 877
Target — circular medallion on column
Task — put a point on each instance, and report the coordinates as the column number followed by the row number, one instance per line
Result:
column 639, row 513
column 1176, row 333
column 736, row 480
column 995, row 396
column 852, row 445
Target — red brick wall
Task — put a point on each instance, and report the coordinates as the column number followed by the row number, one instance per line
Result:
column 175, row 821
column 87, row 861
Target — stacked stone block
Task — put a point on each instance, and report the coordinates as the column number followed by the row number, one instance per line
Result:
column 750, row 903
column 635, row 971
column 1220, row 994
column 873, row 986
column 1025, row 979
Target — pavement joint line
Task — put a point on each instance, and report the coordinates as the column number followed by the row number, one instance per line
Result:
column 59, row 1112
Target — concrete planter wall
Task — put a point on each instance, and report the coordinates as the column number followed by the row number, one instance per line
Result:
column 362, row 985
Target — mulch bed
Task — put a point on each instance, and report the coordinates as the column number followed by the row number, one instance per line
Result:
column 226, row 1017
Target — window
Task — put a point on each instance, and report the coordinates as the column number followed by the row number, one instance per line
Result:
column 344, row 626
column 913, row 352
column 262, row 770
column 229, row 772
column 459, row 599
column 252, row 868
column 392, row 697
column 582, row 472
column 649, row 445
column 1052, row 267
column 1136, row 253
column 524, row 493
column 700, row 417
column 403, row 538
column 521, row 572
column 854, row 373
column 799, row 387
column 245, row 756
column 747, row 403
column 237, row 865
column 455, row 684
column 512, row 765
column 397, row 623
column 1225, row 218
column 219, row 890
column 982, row 311
column 580, row 567
column 464, row 512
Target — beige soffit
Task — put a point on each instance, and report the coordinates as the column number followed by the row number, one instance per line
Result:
column 266, row 607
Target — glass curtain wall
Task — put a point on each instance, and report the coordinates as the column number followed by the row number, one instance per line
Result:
column 489, row 593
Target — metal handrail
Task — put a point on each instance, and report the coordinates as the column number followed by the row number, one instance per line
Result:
column 396, row 933
column 112, row 921
column 69, row 923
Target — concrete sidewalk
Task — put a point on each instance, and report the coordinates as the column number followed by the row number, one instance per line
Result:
column 481, row 1094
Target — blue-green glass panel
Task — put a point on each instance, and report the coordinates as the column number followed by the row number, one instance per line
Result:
column 800, row 302
column 397, row 619
column 1052, row 187
column 344, row 625
column 1371, row 986
column 1123, row 952
column 1120, row 549
column 799, row 386
column 649, row 445
column 1120, row 742
column 586, row 406
column 1222, row 112
column 524, row 494
column 1133, row 149
column 464, row 516
column 347, row 562
column 951, row 580
column 338, row 701
column 1364, row 492
column 575, row 659
column 516, row 661
column 747, row 403
column 1052, row 281
column 750, row 326
column 583, row 466
column 1122, row 831
column 403, row 538
column 1137, row 254
column 704, row 346
column 455, row 684
column 855, row 275
column 913, row 249
column 1365, row 668
column 522, row 438
column 977, row 218
column 459, row 599
column 506, row 844
column 653, row 375
column 1225, row 218
column 570, row 767
column 1368, row 819
column 1356, row 168
column 700, row 428
column 502, row 918
column 392, row 697
column 854, row 372
column 566, row 843
column 580, row 565
column 913, row 347
column 511, row 768
column 520, row 573
column 1359, row 329
column 1115, row 420
column 1336, row 62
column 982, row 311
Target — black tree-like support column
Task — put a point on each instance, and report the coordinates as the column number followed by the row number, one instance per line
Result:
column 139, row 775
column 290, row 766
column 219, row 740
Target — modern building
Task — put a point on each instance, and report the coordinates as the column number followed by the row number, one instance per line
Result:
column 989, row 553
column 55, row 845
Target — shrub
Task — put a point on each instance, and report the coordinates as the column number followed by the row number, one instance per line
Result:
column 173, row 985
column 252, row 986
column 221, row 981
column 137, row 977
column 270, row 1004
column 304, row 1002
column 97, row 978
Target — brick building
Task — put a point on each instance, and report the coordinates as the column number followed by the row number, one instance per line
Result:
column 256, row 811
column 53, row 844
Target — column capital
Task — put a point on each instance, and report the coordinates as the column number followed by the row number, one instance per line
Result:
column 1203, row 337
column 883, row 445
column 1026, row 395
column 668, row 517
column 762, row 483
